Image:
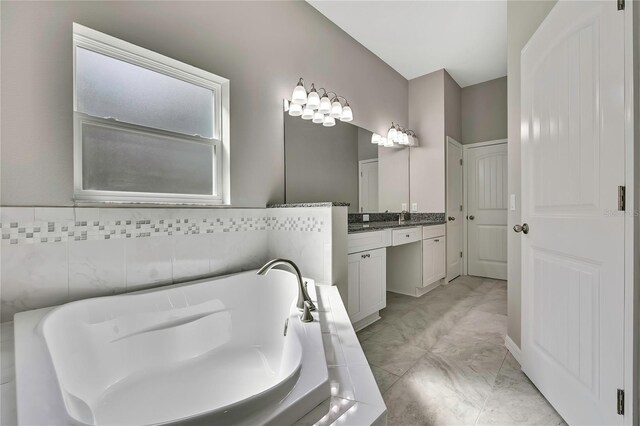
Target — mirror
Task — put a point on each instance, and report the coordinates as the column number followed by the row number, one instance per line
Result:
column 340, row 163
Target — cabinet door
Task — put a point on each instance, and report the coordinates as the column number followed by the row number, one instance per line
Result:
column 373, row 281
column 428, row 264
column 367, row 283
column 439, row 258
column 353, row 304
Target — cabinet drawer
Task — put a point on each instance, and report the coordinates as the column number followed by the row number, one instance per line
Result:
column 406, row 236
column 433, row 231
column 368, row 241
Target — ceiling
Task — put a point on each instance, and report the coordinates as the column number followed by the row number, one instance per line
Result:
column 467, row 38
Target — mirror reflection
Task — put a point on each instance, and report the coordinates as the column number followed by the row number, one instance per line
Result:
column 336, row 163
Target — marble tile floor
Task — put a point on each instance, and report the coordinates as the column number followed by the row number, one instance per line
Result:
column 441, row 360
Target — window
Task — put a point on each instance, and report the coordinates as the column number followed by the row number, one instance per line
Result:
column 147, row 128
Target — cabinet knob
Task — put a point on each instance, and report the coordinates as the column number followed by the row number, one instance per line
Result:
column 364, row 256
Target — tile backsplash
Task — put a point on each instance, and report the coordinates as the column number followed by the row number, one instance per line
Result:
column 51, row 256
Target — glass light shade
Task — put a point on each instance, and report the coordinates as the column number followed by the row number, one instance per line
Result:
column 299, row 95
column 318, row 117
column 347, row 114
column 391, row 134
column 307, row 113
column 375, row 139
column 336, row 109
column 403, row 139
column 386, row 142
column 414, row 141
column 313, row 100
column 329, row 121
column 325, row 105
column 295, row 110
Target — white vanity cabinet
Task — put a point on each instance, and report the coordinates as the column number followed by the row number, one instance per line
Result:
column 367, row 284
column 434, row 264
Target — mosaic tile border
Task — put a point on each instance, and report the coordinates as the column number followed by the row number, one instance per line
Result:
column 43, row 231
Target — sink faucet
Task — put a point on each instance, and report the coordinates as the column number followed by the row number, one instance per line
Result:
column 303, row 296
column 403, row 216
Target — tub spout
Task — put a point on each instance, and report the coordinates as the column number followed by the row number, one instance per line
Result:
column 303, row 296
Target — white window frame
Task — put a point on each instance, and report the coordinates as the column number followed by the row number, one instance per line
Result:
column 104, row 44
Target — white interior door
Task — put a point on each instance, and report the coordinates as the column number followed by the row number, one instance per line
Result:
column 368, row 186
column 573, row 255
column 487, row 211
column 454, row 209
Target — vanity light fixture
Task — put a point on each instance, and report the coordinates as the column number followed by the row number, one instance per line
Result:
column 307, row 113
column 329, row 121
column 397, row 137
column 318, row 117
column 299, row 95
column 295, row 110
column 319, row 108
column 313, row 99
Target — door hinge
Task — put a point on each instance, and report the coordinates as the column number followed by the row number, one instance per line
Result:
column 461, row 161
column 621, row 198
column 620, row 4
column 460, row 254
column 621, row 402
column 460, row 207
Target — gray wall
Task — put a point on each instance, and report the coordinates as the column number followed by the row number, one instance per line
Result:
column 321, row 163
column 366, row 150
column 260, row 46
column 434, row 112
column 452, row 108
column 523, row 18
column 484, row 111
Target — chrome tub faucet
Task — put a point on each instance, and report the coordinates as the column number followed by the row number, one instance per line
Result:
column 303, row 296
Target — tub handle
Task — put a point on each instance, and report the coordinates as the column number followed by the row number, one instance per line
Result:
column 306, row 313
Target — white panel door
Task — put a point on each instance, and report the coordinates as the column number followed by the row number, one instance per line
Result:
column 487, row 211
column 454, row 209
column 368, row 186
column 573, row 254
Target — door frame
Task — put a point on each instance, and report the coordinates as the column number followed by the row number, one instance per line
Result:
column 465, row 191
column 450, row 140
column 360, row 163
column 631, row 349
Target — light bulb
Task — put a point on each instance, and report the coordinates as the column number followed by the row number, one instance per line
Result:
column 307, row 113
column 375, row 139
column 347, row 114
column 329, row 121
column 313, row 99
column 403, row 139
column 318, row 117
column 295, row 110
column 325, row 105
column 336, row 109
column 299, row 95
column 391, row 134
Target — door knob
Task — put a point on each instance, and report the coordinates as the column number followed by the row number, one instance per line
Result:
column 524, row 228
column 451, row 218
column 471, row 217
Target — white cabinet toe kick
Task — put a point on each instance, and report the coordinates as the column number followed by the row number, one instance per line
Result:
column 406, row 260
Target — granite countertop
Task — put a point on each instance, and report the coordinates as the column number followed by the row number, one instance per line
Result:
column 377, row 226
column 321, row 204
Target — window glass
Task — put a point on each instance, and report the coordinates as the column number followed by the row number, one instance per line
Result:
column 111, row 88
column 117, row 159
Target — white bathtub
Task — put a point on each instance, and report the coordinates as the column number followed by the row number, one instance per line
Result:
column 210, row 352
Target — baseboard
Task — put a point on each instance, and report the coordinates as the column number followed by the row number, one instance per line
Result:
column 513, row 348
column 366, row 321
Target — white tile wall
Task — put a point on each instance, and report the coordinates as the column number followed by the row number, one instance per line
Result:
column 51, row 256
